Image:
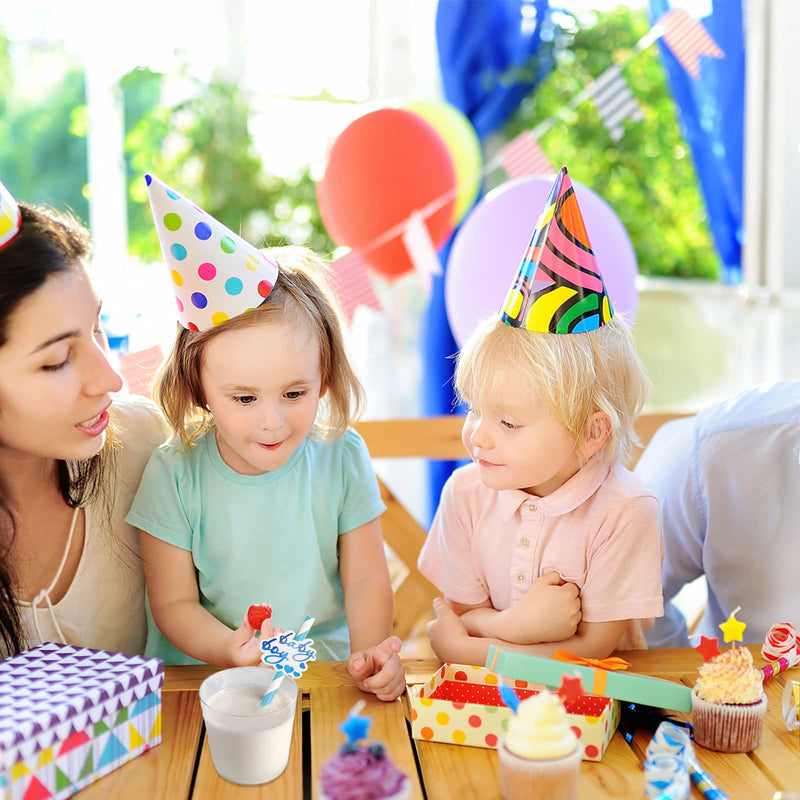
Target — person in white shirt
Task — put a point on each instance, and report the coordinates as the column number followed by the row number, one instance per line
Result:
column 728, row 481
column 70, row 462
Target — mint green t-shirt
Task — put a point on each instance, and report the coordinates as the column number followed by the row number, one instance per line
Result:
column 269, row 538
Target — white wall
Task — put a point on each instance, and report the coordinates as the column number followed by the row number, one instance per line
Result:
column 771, row 257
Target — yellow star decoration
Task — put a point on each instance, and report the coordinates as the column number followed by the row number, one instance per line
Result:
column 732, row 629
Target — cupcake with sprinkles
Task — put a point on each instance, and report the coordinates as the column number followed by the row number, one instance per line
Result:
column 728, row 700
column 361, row 772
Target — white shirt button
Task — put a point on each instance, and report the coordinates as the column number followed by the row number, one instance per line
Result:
column 524, row 542
column 531, row 506
column 521, row 577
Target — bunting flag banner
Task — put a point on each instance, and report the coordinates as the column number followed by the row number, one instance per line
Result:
column 688, row 39
column 615, row 102
column 523, row 156
column 351, row 282
column 421, row 250
column 558, row 287
column 139, row 369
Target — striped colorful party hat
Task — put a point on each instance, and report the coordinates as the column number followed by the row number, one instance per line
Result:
column 558, row 287
column 10, row 218
column 215, row 273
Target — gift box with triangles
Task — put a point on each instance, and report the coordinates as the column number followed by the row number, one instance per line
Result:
column 69, row 715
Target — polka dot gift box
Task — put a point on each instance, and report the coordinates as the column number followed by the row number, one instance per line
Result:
column 69, row 715
column 214, row 273
column 462, row 705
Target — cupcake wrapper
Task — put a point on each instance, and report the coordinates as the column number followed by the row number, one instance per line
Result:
column 726, row 727
column 549, row 779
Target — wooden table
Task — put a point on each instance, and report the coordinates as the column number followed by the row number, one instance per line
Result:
column 180, row 767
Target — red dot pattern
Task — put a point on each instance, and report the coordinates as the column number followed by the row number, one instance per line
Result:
column 459, row 687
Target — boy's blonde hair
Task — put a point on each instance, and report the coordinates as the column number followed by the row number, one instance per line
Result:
column 301, row 295
column 575, row 374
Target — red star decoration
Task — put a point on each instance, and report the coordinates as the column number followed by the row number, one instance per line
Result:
column 707, row 647
column 571, row 688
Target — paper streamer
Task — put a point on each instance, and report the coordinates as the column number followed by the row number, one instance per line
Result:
column 673, row 740
column 776, row 667
column 781, row 641
column 666, row 778
column 790, row 705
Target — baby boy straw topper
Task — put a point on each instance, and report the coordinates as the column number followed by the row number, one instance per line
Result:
column 558, row 287
column 215, row 273
column 288, row 653
column 10, row 218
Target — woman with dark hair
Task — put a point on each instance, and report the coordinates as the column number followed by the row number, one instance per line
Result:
column 70, row 463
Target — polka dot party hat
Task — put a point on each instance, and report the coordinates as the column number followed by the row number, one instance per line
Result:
column 10, row 218
column 215, row 273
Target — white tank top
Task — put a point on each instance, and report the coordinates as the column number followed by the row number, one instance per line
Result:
column 103, row 608
column 77, row 618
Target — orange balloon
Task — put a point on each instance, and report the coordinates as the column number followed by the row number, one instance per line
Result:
column 382, row 167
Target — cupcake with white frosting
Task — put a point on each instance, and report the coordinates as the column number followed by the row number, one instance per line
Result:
column 539, row 754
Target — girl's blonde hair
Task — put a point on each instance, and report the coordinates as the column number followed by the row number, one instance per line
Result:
column 575, row 374
column 300, row 296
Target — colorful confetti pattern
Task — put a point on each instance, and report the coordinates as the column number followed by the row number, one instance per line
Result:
column 558, row 287
column 462, row 705
column 70, row 715
column 214, row 273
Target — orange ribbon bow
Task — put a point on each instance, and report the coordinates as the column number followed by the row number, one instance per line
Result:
column 612, row 663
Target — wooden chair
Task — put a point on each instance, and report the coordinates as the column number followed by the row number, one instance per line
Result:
column 432, row 438
column 435, row 439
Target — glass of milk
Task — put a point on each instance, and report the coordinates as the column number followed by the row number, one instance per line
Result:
column 249, row 743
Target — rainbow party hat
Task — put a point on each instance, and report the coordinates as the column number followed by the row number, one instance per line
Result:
column 10, row 218
column 558, row 287
column 215, row 273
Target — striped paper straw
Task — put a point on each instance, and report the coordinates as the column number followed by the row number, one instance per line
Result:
column 302, row 632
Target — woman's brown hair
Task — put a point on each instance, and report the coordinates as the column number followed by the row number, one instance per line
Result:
column 48, row 243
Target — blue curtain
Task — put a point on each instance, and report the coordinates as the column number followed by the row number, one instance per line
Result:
column 712, row 119
column 492, row 54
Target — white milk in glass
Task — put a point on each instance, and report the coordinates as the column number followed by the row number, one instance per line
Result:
column 249, row 743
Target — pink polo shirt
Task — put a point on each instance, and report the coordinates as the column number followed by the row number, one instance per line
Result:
column 601, row 531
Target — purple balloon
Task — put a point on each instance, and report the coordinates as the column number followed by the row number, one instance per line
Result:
column 489, row 245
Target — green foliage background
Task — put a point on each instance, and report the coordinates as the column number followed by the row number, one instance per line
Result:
column 648, row 177
column 203, row 148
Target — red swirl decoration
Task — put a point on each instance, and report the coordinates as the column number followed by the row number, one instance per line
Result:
column 781, row 641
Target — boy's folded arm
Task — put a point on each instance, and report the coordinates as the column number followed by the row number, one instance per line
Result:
column 592, row 640
column 451, row 642
column 550, row 611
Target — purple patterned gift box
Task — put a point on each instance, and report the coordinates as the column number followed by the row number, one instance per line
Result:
column 69, row 715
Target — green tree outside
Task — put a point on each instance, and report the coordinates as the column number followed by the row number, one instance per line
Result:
column 203, row 148
column 648, row 177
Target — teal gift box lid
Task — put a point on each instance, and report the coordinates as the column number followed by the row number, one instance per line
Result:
column 626, row 686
